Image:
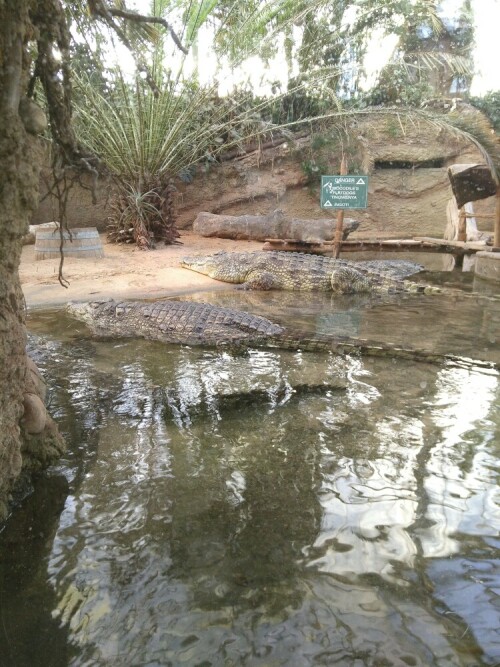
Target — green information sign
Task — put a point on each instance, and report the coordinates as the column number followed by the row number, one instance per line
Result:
column 344, row 191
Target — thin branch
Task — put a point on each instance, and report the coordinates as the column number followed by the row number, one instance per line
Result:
column 98, row 8
column 140, row 18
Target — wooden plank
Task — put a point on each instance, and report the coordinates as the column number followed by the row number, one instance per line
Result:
column 417, row 244
column 465, row 245
column 406, row 246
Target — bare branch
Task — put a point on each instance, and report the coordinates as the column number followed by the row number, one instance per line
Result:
column 98, row 8
column 140, row 18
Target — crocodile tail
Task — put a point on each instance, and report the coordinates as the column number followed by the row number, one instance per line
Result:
column 422, row 288
column 296, row 340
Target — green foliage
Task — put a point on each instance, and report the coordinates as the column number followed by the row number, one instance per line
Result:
column 433, row 58
column 489, row 104
column 301, row 101
column 326, row 149
column 313, row 170
column 321, row 36
column 392, row 128
column 146, row 134
column 145, row 138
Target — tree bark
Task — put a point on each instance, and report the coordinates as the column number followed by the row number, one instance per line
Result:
column 20, row 159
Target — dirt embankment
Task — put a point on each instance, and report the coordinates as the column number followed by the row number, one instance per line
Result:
column 408, row 184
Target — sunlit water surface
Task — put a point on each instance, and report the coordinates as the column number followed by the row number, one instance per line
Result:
column 269, row 508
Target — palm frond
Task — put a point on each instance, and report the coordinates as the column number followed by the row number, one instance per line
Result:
column 432, row 60
column 473, row 127
column 197, row 15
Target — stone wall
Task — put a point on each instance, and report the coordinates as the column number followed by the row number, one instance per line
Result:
column 82, row 212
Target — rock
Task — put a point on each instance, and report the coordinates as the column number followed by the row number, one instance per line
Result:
column 34, row 382
column 42, row 449
column 33, row 117
column 35, row 414
column 30, row 237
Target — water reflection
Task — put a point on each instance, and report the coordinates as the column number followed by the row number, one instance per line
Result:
column 461, row 478
column 25, row 549
column 468, row 326
column 216, row 515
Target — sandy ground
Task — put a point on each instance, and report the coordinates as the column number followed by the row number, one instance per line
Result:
column 124, row 272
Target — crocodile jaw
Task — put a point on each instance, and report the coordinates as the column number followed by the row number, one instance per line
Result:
column 202, row 264
column 86, row 311
column 220, row 266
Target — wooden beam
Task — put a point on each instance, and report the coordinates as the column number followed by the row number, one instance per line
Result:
column 419, row 244
column 496, row 232
column 339, row 228
column 471, row 182
column 462, row 225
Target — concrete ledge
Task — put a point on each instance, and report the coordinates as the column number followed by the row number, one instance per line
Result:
column 488, row 265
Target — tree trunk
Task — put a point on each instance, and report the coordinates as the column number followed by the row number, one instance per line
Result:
column 20, row 160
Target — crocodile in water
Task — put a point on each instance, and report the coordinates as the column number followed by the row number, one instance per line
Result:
column 301, row 271
column 193, row 323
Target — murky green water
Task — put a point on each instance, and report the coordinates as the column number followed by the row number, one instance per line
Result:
column 231, row 510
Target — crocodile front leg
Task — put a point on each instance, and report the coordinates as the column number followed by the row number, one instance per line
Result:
column 261, row 280
column 345, row 280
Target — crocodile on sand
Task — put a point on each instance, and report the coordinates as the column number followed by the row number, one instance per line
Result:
column 301, row 271
column 191, row 323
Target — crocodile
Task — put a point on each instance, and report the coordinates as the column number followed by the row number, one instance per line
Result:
column 301, row 271
column 192, row 323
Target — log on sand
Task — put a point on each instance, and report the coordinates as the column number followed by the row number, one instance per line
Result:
column 275, row 225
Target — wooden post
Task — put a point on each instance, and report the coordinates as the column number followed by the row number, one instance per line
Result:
column 462, row 225
column 339, row 228
column 496, row 234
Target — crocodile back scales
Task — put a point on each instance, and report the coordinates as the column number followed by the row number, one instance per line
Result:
column 193, row 323
column 305, row 272
column 182, row 322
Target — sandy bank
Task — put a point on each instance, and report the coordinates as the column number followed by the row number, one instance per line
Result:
column 124, row 272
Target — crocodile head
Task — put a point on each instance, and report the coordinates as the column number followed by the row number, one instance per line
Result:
column 88, row 311
column 227, row 266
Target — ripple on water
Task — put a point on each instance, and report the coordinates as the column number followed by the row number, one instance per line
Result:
column 218, row 515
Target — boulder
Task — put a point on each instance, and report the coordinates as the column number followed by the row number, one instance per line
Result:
column 34, row 382
column 30, row 237
column 35, row 414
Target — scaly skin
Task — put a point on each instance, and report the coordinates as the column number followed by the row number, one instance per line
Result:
column 299, row 271
column 192, row 323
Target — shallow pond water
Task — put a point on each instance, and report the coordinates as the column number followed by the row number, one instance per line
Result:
column 268, row 508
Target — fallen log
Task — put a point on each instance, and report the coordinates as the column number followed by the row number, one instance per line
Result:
column 275, row 225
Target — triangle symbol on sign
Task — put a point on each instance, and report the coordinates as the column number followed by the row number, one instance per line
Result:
column 328, row 203
column 360, row 182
